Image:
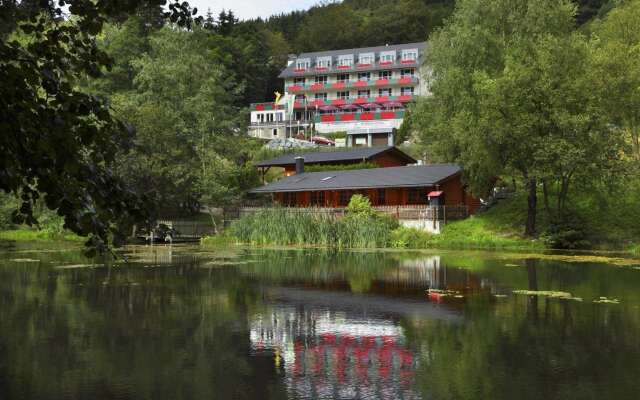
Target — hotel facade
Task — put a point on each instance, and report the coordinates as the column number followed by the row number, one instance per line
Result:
column 361, row 92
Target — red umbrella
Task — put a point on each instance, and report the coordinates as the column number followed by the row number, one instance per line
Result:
column 328, row 108
column 370, row 105
column 393, row 104
column 349, row 107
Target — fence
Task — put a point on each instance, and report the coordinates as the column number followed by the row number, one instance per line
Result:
column 412, row 212
column 189, row 229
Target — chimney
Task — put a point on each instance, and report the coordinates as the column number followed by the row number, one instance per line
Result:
column 299, row 165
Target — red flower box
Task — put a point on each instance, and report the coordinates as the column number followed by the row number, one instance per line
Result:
column 387, row 115
column 338, row 102
column 360, row 100
column 360, row 83
column 367, row 116
column 405, row 80
column 327, row 118
column 382, row 82
column 294, row 88
column 386, row 62
column 297, row 104
column 408, row 61
column 347, row 117
column 363, row 65
column 321, row 69
column 317, row 86
column 259, row 107
column 382, row 99
column 344, row 67
column 405, row 97
column 338, row 85
column 317, row 103
column 299, row 70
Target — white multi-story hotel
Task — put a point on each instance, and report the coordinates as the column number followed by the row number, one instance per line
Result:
column 362, row 92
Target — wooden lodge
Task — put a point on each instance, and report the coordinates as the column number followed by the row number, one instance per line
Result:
column 406, row 185
column 387, row 156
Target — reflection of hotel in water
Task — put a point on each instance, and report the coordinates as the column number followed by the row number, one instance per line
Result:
column 328, row 354
column 332, row 344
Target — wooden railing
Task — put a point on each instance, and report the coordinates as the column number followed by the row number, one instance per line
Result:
column 415, row 212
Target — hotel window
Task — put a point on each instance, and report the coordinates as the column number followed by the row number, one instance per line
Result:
column 270, row 117
column 303, row 63
column 300, row 97
column 364, row 76
column 366, row 58
column 410, row 54
column 343, row 78
column 384, row 92
column 407, row 91
column 364, row 93
column 387, row 56
column 385, row 74
column 320, row 96
column 321, row 79
column 323, row 62
column 279, row 117
column 407, row 72
column 275, row 131
column 343, row 95
column 345, row 61
column 299, row 81
column 381, row 197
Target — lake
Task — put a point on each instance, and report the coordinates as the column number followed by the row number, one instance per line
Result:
column 186, row 322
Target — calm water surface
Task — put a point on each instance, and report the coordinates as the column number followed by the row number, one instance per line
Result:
column 193, row 323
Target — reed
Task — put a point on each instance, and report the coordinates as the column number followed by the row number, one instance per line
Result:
column 280, row 226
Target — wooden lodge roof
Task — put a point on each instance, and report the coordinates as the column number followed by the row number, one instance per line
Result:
column 331, row 157
column 373, row 178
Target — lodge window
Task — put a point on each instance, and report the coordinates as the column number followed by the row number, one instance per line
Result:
column 381, row 197
column 299, row 81
column 364, row 76
column 366, row 58
column 387, row 56
column 289, row 199
column 345, row 61
column 364, row 93
column 323, row 62
column 343, row 78
column 303, row 63
column 343, row 95
column 384, row 92
column 407, row 72
column 417, row 196
column 317, row 199
column 407, row 91
column 411, row 54
column 385, row 74
column 320, row 96
column 275, row 131
column 321, row 79
column 344, row 197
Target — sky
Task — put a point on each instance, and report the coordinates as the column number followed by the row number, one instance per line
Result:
column 245, row 9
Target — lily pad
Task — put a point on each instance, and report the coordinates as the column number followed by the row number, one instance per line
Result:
column 548, row 293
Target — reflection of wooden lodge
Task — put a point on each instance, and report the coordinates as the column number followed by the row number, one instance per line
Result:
column 326, row 356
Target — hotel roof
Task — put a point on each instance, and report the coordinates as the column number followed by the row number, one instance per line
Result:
column 374, row 178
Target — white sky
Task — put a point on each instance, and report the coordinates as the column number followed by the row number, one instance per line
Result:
column 245, row 9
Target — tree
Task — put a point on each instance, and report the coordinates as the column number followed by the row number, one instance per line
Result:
column 617, row 70
column 57, row 142
column 511, row 95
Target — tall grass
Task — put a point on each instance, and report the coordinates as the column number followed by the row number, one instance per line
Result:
column 279, row 226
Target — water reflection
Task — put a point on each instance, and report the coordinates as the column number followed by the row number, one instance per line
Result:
column 187, row 322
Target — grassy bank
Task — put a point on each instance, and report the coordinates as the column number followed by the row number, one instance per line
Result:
column 35, row 235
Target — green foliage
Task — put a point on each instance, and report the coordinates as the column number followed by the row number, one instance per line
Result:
column 339, row 167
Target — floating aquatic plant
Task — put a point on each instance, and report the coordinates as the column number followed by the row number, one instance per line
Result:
column 548, row 293
column 604, row 300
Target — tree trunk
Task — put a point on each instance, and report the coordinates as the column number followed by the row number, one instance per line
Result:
column 545, row 192
column 532, row 205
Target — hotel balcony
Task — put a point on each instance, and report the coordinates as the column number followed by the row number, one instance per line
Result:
column 356, row 67
column 354, row 101
column 355, row 84
column 360, row 116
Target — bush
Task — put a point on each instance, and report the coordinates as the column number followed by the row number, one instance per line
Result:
column 568, row 233
column 409, row 238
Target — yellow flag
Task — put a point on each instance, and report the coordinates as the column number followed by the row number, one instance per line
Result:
column 277, row 96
